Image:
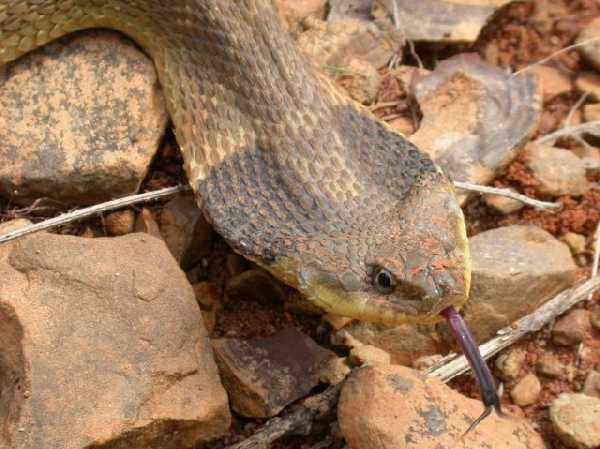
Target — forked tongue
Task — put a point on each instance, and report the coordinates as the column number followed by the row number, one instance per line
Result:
column 487, row 387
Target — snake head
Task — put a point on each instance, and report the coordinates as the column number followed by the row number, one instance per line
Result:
column 408, row 266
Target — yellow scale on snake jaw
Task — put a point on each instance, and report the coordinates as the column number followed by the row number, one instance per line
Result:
column 293, row 174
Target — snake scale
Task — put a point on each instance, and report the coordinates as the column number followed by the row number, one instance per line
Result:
column 293, row 174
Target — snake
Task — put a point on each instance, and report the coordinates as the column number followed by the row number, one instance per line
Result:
column 292, row 173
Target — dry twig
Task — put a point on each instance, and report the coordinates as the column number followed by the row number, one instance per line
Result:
column 592, row 127
column 69, row 217
column 541, row 205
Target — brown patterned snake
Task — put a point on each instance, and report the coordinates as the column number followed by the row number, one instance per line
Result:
column 293, row 174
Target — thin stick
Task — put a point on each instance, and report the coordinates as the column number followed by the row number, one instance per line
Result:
column 574, row 109
column 93, row 210
column 592, row 127
column 530, row 323
column 555, row 54
column 541, row 205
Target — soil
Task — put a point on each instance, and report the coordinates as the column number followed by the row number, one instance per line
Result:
column 518, row 36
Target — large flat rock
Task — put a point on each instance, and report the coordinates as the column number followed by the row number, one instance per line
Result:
column 102, row 344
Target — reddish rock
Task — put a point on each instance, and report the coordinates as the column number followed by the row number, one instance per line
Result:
column 387, row 406
column 120, row 222
column 103, row 346
column 575, row 419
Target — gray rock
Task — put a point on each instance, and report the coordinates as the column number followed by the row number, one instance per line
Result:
column 476, row 117
column 516, row 269
column 445, row 21
column 591, row 36
column 559, row 172
column 186, row 231
column 103, row 346
column 64, row 137
column 334, row 44
column 264, row 375
column 575, row 419
column 571, row 328
column 387, row 406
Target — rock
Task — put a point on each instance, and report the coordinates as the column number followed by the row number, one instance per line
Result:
column 508, row 365
column 207, row 297
column 571, row 328
column 361, row 80
column 356, row 9
column 591, row 112
column 591, row 386
column 334, row 370
column 255, row 285
column 476, row 117
column 576, row 242
column 359, row 355
column 187, row 233
column 235, row 265
column 300, row 13
column 575, row 419
column 595, row 318
column 503, row 204
column 87, row 144
column 334, row 44
column 103, row 346
column 526, row 265
column 120, row 222
column 526, row 391
column 445, row 21
column 591, row 50
column 403, row 125
column 264, row 375
column 13, row 225
column 336, row 322
column 550, row 366
column 387, row 406
column 427, row 361
column 589, row 82
column 559, row 172
column 146, row 223
column 554, row 82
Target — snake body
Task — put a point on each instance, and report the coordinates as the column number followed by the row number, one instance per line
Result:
column 292, row 173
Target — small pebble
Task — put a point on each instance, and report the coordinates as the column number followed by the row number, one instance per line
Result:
column 571, row 328
column 576, row 242
column 120, row 223
column 591, row 386
column 589, row 82
column 334, row 370
column 362, row 354
column 595, row 318
column 550, row 366
column 526, row 391
column 509, row 365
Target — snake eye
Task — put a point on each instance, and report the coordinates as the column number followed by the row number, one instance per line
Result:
column 383, row 281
